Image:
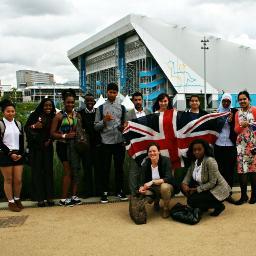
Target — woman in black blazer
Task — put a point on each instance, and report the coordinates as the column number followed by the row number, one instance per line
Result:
column 157, row 180
column 193, row 113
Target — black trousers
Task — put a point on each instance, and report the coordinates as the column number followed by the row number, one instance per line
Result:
column 226, row 159
column 42, row 173
column 92, row 171
column 117, row 151
column 204, row 201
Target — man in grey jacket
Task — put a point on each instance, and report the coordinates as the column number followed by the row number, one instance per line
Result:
column 109, row 121
column 134, row 169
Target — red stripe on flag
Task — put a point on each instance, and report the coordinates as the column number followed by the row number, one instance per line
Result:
column 183, row 143
column 201, row 119
column 130, row 127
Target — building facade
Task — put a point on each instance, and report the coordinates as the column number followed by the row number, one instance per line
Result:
column 37, row 93
column 151, row 56
column 27, row 78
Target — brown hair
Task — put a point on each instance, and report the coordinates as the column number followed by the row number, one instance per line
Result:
column 153, row 144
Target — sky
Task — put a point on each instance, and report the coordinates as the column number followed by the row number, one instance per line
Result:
column 36, row 34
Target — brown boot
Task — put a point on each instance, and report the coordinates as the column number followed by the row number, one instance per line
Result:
column 13, row 207
column 19, row 204
column 166, row 211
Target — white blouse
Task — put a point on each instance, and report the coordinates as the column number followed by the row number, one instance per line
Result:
column 197, row 173
column 11, row 135
column 155, row 173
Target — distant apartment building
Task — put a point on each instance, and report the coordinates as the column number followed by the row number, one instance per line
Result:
column 27, row 78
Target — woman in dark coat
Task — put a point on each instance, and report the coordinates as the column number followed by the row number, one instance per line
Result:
column 40, row 146
column 157, row 180
column 193, row 113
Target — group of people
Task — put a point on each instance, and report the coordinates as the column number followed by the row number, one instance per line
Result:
column 210, row 171
column 102, row 129
column 208, row 180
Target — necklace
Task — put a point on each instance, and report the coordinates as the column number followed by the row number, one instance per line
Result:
column 245, row 114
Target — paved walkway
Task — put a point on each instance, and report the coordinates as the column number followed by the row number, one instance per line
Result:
column 96, row 229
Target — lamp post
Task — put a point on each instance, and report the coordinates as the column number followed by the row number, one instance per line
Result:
column 147, row 93
column 205, row 47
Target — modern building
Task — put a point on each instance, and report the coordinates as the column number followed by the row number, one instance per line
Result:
column 52, row 91
column 5, row 87
column 149, row 55
column 27, row 78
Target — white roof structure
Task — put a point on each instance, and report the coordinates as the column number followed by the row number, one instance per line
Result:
column 127, row 103
column 177, row 50
column 99, row 102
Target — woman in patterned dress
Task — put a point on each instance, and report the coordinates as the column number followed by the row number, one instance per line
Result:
column 246, row 141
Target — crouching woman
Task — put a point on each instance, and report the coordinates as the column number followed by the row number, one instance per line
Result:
column 157, row 179
column 203, row 184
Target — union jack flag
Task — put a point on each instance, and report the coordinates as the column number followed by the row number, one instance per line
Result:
column 173, row 131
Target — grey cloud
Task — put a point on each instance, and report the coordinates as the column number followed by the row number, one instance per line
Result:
column 46, row 27
column 39, row 36
column 38, row 7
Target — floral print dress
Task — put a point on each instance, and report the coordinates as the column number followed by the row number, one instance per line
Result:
column 246, row 162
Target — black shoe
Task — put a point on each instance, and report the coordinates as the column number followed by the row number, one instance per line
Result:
column 41, row 204
column 252, row 200
column 242, row 200
column 50, row 203
column 104, row 198
column 66, row 202
column 76, row 200
column 218, row 210
column 230, row 200
column 122, row 196
column 156, row 206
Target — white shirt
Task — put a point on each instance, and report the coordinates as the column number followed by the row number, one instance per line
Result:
column 224, row 139
column 139, row 113
column 197, row 173
column 155, row 173
column 11, row 135
column 89, row 111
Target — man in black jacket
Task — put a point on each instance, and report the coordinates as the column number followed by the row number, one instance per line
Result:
column 89, row 160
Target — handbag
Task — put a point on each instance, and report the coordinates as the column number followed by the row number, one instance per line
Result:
column 82, row 140
column 137, row 209
column 185, row 214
